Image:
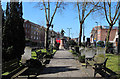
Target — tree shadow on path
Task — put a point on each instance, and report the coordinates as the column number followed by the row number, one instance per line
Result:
column 57, row 69
column 46, row 70
column 63, row 58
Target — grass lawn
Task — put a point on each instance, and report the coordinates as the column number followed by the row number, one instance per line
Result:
column 113, row 62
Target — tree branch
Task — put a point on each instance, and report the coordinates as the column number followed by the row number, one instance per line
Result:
column 109, row 4
column 48, row 11
column 54, row 12
column 116, row 18
column 90, row 11
column 117, row 8
column 45, row 12
column 83, row 10
column 78, row 11
column 106, row 13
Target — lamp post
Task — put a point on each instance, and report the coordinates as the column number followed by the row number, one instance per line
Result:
column 69, row 32
column 72, row 35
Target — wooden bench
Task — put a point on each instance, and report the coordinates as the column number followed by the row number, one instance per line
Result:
column 98, row 63
column 10, row 68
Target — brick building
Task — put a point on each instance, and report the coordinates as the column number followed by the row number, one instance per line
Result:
column 34, row 32
column 99, row 33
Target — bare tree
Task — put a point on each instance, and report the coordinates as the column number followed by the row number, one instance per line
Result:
column 112, row 14
column 49, row 19
column 84, row 10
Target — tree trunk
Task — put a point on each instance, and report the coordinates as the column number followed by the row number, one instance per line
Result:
column 46, row 38
column 80, row 35
column 108, row 35
column 118, row 50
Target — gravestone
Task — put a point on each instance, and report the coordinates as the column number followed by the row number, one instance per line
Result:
column 101, row 50
column 89, row 52
column 26, row 55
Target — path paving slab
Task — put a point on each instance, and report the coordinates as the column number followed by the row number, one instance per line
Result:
column 64, row 64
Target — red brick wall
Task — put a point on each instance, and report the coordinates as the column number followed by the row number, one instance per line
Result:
column 104, row 34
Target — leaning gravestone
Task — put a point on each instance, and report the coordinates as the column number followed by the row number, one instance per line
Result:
column 26, row 55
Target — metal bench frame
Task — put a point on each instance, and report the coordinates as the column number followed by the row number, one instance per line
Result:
column 98, row 66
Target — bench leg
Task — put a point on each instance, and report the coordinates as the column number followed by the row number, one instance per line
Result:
column 95, row 70
column 86, row 65
column 95, row 73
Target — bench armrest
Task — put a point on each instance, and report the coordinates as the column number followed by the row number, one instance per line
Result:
column 103, row 64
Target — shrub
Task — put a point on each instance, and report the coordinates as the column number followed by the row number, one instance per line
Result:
column 56, row 46
column 109, row 45
column 82, row 59
column 32, row 63
column 100, row 44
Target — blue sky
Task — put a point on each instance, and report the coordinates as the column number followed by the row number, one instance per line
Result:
column 67, row 19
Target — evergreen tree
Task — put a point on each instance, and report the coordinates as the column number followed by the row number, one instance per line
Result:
column 13, row 32
column 20, row 43
column 18, row 30
column 6, row 35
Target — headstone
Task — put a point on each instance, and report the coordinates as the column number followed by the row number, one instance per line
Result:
column 82, row 51
column 89, row 52
column 100, row 50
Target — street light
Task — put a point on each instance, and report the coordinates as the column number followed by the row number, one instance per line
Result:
column 72, row 35
column 69, row 32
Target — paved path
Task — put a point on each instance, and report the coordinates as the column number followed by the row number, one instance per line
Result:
column 63, row 64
